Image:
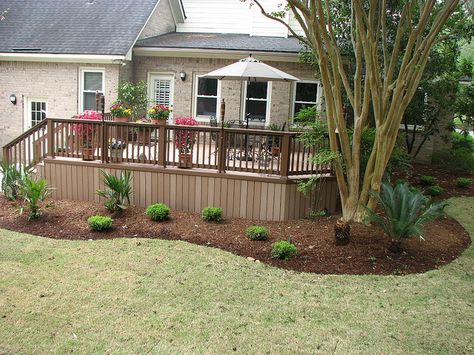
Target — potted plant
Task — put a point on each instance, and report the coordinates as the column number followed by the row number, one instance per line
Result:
column 116, row 148
column 184, row 141
column 159, row 114
column 274, row 141
column 143, row 133
column 133, row 96
column 120, row 112
column 86, row 133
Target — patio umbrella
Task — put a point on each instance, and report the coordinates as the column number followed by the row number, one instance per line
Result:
column 249, row 69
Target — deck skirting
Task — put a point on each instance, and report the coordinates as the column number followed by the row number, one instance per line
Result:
column 239, row 195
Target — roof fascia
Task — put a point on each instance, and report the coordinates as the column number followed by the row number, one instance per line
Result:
column 213, row 53
column 62, row 58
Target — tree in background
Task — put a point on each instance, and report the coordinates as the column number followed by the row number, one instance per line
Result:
column 133, row 96
column 381, row 79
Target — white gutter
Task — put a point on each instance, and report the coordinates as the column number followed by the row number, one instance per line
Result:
column 214, row 53
column 62, row 58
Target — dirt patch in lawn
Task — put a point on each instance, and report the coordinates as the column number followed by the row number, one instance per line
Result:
column 367, row 252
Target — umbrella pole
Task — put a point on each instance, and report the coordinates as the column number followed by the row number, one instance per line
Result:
column 247, row 121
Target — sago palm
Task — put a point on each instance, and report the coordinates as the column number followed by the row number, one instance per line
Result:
column 118, row 190
column 405, row 212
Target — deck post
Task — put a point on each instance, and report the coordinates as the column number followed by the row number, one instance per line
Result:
column 50, row 135
column 6, row 155
column 221, row 151
column 162, row 146
column 285, row 156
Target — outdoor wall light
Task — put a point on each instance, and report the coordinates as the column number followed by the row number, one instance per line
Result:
column 182, row 75
column 13, row 99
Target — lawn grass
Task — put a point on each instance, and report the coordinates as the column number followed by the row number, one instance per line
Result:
column 153, row 296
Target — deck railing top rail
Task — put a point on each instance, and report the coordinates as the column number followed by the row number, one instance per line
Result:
column 261, row 151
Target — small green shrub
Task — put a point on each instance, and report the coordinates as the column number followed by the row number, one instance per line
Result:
column 158, row 212
column 33, row 192
column 434, row 190
column 427, row 180
column 463, row 141
column 12, row 178
column 257, row 233
column 212, row 214
column 283, row 250
column 458, row 161
column 463, row 182
column 99, row 223
column 118, row 190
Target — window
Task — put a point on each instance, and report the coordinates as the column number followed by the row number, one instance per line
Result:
column 207, row 97
column 256, row 103
column 92, row 81
column 306, row 95
column 37, row 112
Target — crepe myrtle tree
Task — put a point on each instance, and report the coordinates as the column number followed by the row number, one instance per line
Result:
column 388, row 52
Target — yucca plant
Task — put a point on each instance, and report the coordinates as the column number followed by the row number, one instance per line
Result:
column 118, row 190
column 12, row 177
column 404, row 212
column 33, row 192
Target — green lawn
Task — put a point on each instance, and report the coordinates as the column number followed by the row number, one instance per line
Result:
column 152, row 296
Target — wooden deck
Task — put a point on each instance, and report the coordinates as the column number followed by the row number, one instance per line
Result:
column 249, row 173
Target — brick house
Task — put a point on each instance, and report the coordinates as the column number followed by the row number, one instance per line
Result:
column 54, row 56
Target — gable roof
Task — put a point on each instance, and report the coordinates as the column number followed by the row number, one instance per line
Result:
column 219, row 41
column 94, row 27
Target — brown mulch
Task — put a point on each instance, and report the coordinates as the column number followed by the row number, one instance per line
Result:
column 446, row 179
column 367, row 252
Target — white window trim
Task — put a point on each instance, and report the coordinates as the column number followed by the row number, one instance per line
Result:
column 293, row 96
column 81, row 86
column 27, row 110
column 195, row 97
column 268, row 100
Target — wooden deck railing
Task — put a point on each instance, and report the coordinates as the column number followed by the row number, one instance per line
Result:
column 216, row 148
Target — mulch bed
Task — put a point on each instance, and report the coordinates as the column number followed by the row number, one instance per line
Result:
column 367, row 253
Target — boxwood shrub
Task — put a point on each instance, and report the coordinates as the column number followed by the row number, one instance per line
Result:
column 158, row 212
column 212, row 214
column 463, row 182
column 434, row 190
column 427, row 180
column 257, row 233
column 283, row 250
column 99, row 223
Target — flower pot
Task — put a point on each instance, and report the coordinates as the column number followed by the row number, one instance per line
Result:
column 185, row 160
column 120, row 119
column 115, row 153
column 275, row 151
column 87, row 153
column 158, row 122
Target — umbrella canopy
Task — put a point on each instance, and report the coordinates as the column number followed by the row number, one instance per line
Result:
column 250, row 69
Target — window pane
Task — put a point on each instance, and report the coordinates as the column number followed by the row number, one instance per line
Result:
column 257, row 90
column 92, row 81
column 257, row 110
column 306, row 92
column 206, row 106
column 207, row 87
column 89, row 101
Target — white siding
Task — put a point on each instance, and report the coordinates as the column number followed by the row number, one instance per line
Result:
column 294, row 24
column 230, row 16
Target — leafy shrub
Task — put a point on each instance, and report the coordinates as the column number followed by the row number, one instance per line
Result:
column 463, row 141
column 99, row 223
column 434, row 190
column 458, row 161
column 118, row 190
column 405, row 212
column 212, row 214
column 306, row 115
column 257, row 233
column 33, row 192
column 427, row 180
column 283, row 250
column 158, row 212
column 12, row 178
column 463, row 182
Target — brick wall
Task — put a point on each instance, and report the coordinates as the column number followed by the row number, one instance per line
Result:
column 57, row 83
column 231, row 91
